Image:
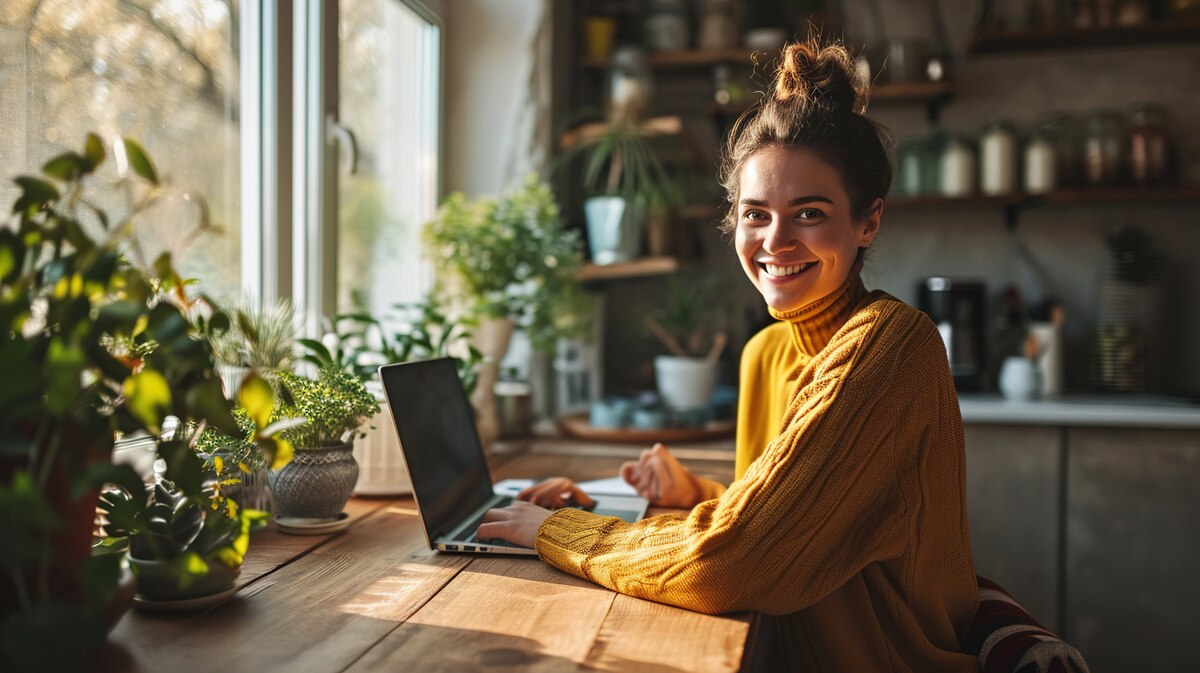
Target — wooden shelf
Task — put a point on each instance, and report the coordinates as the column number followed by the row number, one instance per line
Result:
column 1077, row 197
column 951, row 201
column 1154, row 33
column 646, row 266
column 912, row 92
column 907, row 92
column 691, row 58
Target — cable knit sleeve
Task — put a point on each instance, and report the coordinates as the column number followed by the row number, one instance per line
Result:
column 824, row 500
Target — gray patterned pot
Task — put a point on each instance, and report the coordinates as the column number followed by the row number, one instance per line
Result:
column 317, row 483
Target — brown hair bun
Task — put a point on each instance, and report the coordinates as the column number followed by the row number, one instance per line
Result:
column 821, row 76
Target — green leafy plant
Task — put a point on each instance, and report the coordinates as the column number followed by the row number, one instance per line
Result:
column 263, row 339
column 685, row 324
column 636, row 162
column 513, row 259
column 95, row 343
column 334, row 406
column 359, row 343
column 177, row 530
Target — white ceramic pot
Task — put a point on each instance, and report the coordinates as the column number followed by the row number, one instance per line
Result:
column 685, row 384
column 1019, row 378
column 381, row 468
column 614, row 229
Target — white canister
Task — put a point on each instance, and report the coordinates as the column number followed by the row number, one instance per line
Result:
column 998, row 160
column 685, row 384
column 958, row 168
column 1019, row 378
column 667, row 26
column 1041, row 166
column 1050, row 356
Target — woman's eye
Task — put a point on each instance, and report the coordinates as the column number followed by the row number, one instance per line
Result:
column 755, row 216
column 809, row 214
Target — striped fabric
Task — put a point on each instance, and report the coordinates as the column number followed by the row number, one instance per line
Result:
column 1008, row 640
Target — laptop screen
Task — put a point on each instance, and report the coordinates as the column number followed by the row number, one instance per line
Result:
column 437, row 430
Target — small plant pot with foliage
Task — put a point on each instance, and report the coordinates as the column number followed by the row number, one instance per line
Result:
column 320, row 478
column 687, row 377
column 178, row 549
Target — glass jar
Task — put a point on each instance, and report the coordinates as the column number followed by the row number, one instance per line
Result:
column 666, row 25
column 1149, row 148
column 1103, row 147
column 919, row 167
column 1041, row 164
column 958, row 168
column 631, row 86
column 998, row 159
column 718, row 25
column 1063, row 131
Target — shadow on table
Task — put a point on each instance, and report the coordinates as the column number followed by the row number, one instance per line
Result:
column 425, row 647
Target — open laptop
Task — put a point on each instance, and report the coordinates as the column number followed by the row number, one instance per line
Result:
column 450, row 477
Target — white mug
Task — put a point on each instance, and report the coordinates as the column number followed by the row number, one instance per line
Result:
column 1018, row 378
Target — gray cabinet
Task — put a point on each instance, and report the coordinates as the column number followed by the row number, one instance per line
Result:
column 1013, row 508
column 1133, row 548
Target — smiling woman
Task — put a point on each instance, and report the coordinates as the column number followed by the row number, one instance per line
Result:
column 847, row 518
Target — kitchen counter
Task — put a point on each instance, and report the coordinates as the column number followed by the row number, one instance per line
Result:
column 1113, row 411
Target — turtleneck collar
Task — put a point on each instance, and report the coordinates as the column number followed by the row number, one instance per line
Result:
column 815, row 324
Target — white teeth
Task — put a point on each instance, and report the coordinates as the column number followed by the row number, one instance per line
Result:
column 775, row 270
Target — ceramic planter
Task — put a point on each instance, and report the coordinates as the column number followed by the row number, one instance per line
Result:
column 492, row 339
column 614, row 229
column 159, row 580
column 685, row 384
column 316, row 483
column 381, row 468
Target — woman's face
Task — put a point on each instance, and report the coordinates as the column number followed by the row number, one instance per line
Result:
column 795, row 236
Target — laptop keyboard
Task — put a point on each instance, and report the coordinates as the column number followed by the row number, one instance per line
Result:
column 474, row 527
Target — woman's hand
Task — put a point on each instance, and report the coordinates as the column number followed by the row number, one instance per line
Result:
column 555, row 492
column 658, row 477
column 517, row 523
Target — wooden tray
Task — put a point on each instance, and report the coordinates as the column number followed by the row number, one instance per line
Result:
column 577, row 426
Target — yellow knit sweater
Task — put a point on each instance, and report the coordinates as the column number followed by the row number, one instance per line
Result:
column 848, row 516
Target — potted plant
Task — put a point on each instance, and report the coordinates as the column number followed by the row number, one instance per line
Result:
column 98, row 344
column 178, row 549
column 627, row 176
column 515, row 265
column 358, row 343
column 687, row 377
column 311, row 490
column 261, row 339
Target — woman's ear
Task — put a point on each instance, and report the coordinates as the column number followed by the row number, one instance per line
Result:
column 870, row 224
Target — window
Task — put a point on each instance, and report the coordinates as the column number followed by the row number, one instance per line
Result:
column 164, row 72
column 170, row 73
column 388, row 100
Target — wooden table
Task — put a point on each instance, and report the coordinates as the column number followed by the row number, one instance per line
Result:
column 375, row 598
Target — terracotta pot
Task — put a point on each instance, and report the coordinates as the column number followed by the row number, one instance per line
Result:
column 316, row 483
column 492, row 339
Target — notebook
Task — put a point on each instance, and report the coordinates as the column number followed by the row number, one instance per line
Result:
column 451, row 481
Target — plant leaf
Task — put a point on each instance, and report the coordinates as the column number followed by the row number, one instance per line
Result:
column 35, row 192
column 66, row 166
column 94, row 151
column 139, row 161
column 148, row 397
column 258, row 399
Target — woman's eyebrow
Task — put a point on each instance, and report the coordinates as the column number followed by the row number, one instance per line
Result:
column 794, row 202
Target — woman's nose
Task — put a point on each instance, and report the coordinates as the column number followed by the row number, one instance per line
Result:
column 779, row 237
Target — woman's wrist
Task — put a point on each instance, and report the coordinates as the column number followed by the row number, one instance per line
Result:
column 706, row 489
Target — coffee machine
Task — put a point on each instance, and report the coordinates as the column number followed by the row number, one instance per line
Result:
column 959, row 309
